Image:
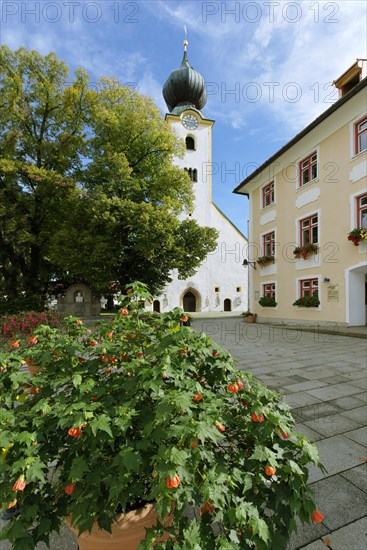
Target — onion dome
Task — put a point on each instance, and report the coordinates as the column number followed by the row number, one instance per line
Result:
column 184, row 88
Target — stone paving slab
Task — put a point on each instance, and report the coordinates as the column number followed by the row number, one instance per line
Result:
column 341, row 502
column 317, row 545
column 351, row 402
column 358, row 415
column 359, row 435
column 307, row 432
column 318, row 373
column 337, row 379
column 332, row 425
column 350, row 537
column 306, row 533
column 333, row 392
column 305, row 386
column 337, row 453
column 300, row 399
column 362, row 383
column 357, row 476
column 318, row 410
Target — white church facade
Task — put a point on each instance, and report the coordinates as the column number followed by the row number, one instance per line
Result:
column 220, row 283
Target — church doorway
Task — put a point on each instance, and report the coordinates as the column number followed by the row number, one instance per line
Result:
column 189, row 301
column 227, row 305
column 157, row 306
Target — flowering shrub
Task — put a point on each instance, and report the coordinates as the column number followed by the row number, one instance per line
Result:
column 305, row 250
column 145, row 410
column 358, row 234
column 307, row 301
column 23, row 324
column 265, row 260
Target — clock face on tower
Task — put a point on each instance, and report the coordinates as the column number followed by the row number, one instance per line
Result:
column 190, row 122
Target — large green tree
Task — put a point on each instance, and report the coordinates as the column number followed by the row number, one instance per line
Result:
column 88, row 188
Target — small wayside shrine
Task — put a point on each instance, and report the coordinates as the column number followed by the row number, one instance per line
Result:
column 220, row 283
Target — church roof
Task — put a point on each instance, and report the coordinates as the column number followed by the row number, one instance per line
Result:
column 184, row 88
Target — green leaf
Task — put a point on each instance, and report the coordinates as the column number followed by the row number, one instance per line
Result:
column 101, row 423
column 260, row 528
column 78, row 467
column 179, row 457
column 295, row 468
column 76, row 380
column 131, row 459
column 35, row 471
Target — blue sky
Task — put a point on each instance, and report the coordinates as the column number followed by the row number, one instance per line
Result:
column 268, row 65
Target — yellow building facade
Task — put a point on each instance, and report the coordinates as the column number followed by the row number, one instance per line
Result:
column 304, row 202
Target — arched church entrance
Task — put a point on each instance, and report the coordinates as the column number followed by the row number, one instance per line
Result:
column 356, row 295
column 227, row 305
column 191, row 301
column 157, row 306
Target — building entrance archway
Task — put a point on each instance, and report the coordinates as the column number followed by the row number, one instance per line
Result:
column 191, row 301
column 356, row 298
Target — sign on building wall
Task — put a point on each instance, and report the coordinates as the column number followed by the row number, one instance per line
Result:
column 333, row 293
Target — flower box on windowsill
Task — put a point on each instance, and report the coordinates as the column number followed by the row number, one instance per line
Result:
column 265, row 260
column 267, row 301
column 307, row 301
column 357, row 235
column 305, row 250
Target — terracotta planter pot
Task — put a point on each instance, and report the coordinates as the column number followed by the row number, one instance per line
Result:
column 127, row 532
column 251, row 319
column 32, row 367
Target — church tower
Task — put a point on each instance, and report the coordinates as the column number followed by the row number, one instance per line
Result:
column 185, row 95
column 220, row 283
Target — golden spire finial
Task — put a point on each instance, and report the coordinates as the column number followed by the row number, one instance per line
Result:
column 185, row 41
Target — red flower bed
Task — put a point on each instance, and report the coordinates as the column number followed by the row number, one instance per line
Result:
column 23, row 324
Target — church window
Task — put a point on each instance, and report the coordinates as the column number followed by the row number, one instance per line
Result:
column 238, row 289
column 190, row 143
column 217, row 289
column 192, row 173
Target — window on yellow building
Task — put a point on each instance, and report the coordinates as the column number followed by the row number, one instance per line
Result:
column 269, row 244
column 360, row 132
column 308, row 169
column 269, row 290
column 309, row 230
column 362, row 210
column 308, row 288
column 268, row 196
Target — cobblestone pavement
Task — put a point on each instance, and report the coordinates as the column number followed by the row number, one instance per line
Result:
column 323, row 378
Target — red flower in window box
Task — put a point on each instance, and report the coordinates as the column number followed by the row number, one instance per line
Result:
column 265, row 260
column 357, row 235
column 305, row 250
